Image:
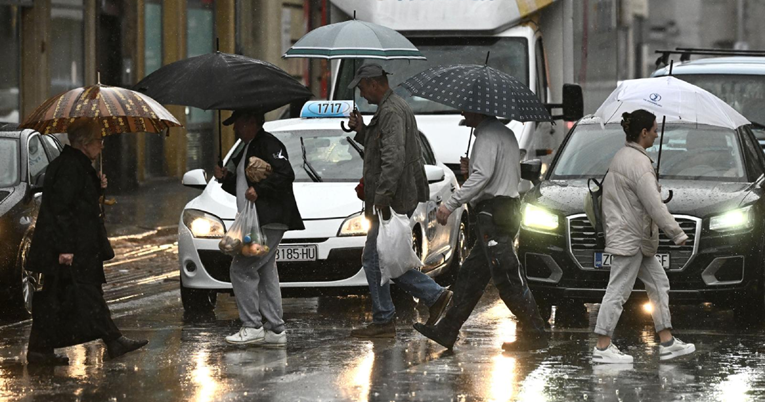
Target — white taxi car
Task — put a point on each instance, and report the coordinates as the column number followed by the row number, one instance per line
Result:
column 325, row 257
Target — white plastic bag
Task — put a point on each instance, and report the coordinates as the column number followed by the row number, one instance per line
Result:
column 394, row 247
column 244, row 236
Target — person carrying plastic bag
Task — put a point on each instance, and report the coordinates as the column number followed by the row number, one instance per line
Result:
column 265, row 200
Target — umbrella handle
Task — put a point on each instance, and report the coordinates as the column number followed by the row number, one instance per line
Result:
column 669, row 197
column 346, row 129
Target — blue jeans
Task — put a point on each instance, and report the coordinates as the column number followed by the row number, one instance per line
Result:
column 413, row 282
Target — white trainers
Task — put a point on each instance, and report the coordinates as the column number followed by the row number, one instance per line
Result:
column 274, row 340
column 247, row 336
column 611, row 355
column 677, row 349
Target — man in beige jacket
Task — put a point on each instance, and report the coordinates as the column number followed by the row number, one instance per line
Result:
column 634, row 212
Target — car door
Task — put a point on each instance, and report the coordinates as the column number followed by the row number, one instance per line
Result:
column 437, row 236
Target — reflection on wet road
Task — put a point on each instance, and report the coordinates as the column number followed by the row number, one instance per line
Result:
column 188, row 359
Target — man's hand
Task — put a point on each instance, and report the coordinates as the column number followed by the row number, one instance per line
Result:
column 356, row 122
column 465, row 166
column 104, row 182
column 442, row 215
column 65, row 259
column 251, row 195
column 384, row 209
column 220, row 172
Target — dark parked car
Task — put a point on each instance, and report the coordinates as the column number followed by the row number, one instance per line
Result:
column 24, row 156
column 716, row 176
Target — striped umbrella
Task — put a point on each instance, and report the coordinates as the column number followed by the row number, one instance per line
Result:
column 119, row 110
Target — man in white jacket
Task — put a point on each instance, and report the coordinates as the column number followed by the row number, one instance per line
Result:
column 633, row 213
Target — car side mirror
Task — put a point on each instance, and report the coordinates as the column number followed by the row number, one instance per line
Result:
column 37, row 186
column 196, row 178
column 573, row 102
column 531, row 170
column 434, row 174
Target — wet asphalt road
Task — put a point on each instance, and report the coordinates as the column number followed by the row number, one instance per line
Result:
column 187, row 358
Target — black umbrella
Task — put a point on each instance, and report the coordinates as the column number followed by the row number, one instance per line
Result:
column 478, row 89
column 223, row 81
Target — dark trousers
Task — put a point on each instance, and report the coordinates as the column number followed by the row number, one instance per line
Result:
column 493, row 258
column 67, row 313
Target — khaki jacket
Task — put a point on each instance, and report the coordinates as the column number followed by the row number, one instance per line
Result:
column 632, row 205
column 394, row 171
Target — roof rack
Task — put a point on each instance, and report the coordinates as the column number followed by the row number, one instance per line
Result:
column 686, row 53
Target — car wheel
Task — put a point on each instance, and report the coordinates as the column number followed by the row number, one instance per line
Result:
column 198, row 300
column 461, row 251
column 22, row 291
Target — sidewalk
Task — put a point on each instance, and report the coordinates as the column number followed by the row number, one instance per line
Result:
column 156, row 205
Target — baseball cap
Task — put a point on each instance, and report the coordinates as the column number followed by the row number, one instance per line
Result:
column 239, row 113
column 367, row 71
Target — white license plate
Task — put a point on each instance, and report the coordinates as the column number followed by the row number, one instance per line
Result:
column 296, row 253
column 603, row 260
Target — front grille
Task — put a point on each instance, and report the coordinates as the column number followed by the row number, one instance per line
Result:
column 340, row 264
column 584, row 245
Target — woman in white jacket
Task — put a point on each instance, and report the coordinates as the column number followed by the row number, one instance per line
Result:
column 633, row 213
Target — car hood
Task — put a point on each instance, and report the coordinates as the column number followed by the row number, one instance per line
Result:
column 314, row 200
column 697, row 198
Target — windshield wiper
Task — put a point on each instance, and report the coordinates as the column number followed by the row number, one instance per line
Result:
column 355, row 146
column 307, row 166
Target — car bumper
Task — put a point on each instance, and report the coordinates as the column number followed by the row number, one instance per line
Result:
column 725, row 270
column 337, row 265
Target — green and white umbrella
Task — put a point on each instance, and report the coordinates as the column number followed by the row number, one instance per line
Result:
column 354, row 39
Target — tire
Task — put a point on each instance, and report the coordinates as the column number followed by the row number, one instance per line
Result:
column 571, row 314
column 198, row 300
column 460, row 254
column 21, row 292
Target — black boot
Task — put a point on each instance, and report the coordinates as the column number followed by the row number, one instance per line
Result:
column 439, row 333
column 46, row 359
column 122, row 345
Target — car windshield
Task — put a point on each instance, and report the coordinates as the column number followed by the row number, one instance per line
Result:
column 507, row 54
column 745, row 93
column 690, row 152
column 9, row 162
column 327, row 151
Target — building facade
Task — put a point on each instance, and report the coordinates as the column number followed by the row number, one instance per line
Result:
column 51, row 46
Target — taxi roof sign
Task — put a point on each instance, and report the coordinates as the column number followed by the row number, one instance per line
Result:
column 326, row 109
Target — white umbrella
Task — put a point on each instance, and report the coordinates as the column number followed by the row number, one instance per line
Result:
column 670, row 98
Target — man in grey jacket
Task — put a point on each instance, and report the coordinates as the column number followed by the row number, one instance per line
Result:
column 492, row 190
column 394, row 178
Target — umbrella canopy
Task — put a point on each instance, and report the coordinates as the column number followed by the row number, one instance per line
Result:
column 354, row 39
column 672, row 98
column 223, row 81
column 119, row 110
column 478, row 89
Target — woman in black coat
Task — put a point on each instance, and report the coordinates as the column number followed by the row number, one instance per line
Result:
column 69, row 247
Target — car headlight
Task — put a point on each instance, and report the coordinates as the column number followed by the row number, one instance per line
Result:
column 203, row 225
column 737, row 219
column 538, row 218
column 356, row 225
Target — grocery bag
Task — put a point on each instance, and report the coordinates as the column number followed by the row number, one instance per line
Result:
column 245, row 236
column 394, row 247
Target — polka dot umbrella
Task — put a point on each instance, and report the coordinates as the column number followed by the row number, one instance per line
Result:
column 478, row 89
column 117, row 109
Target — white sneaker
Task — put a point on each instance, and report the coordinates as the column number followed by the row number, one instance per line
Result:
column 274, row 340
column 247, row 336
column 677, row 349
column 611, row 355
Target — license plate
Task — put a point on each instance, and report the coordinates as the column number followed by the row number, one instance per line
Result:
column 296, row 253
column 603, row 260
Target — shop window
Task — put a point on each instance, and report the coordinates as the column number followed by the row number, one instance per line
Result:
column 9, row 63
column 67, row 56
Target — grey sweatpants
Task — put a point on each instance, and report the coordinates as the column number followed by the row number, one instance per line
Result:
column 256, row 287
column 624, row 270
